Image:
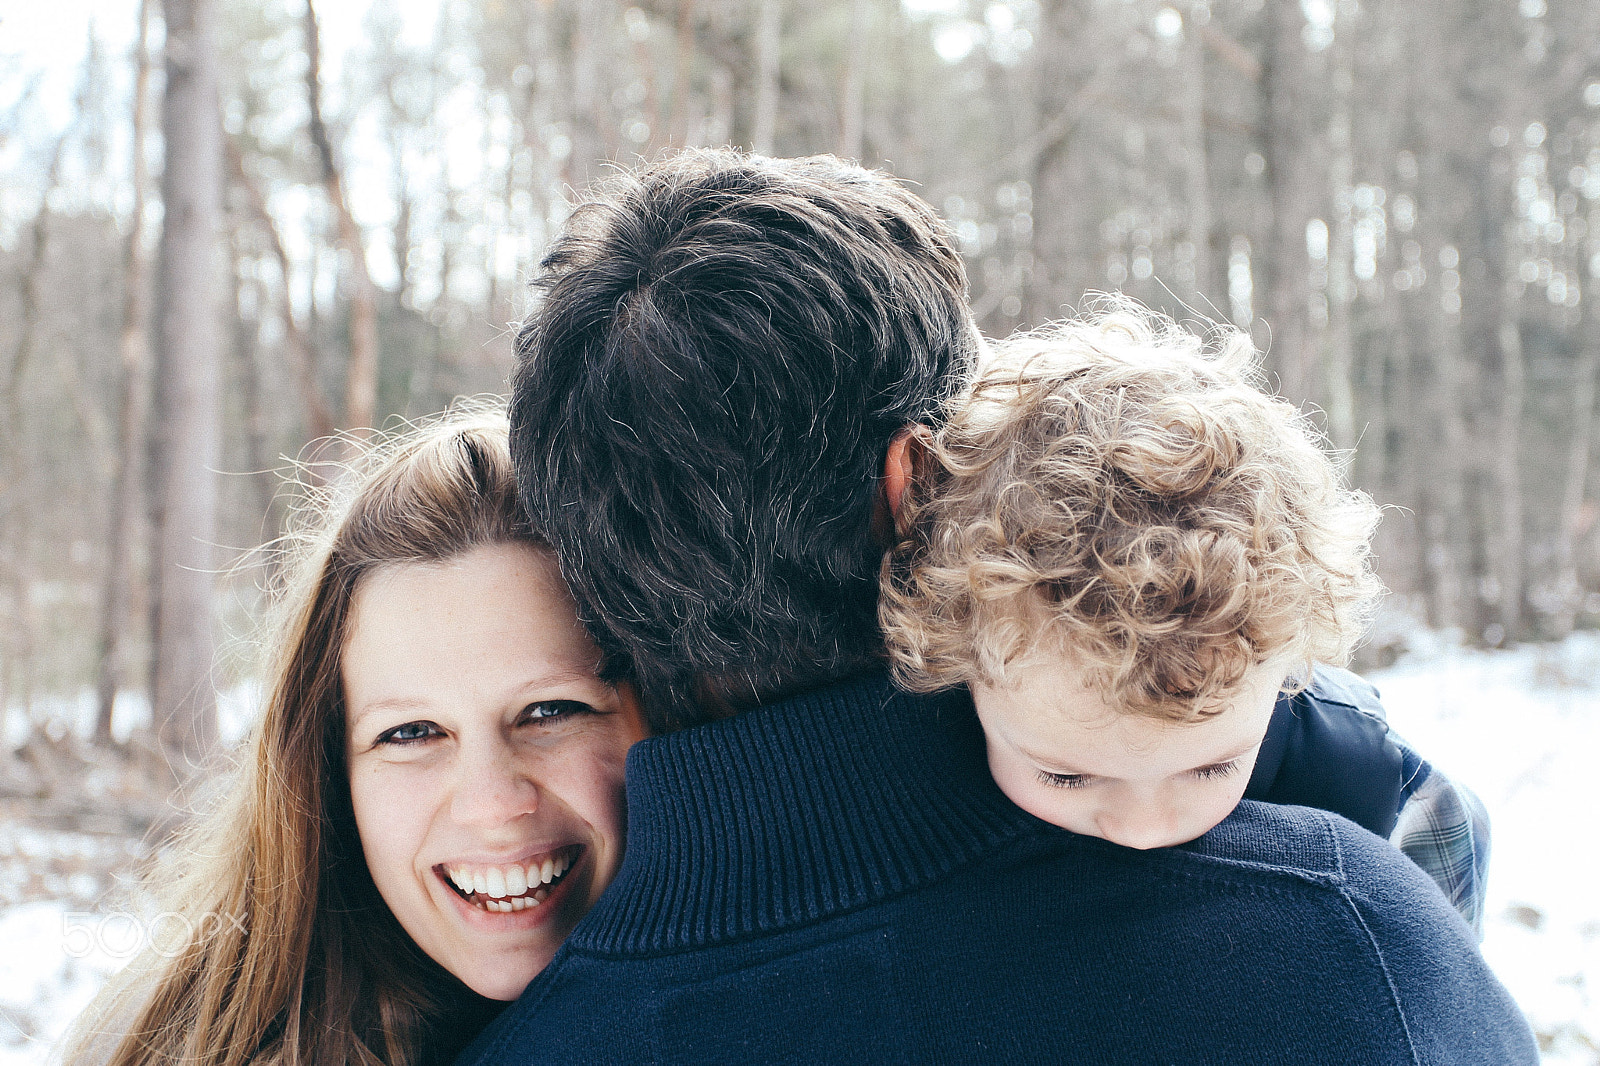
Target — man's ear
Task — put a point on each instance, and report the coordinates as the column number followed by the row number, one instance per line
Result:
column 904, row 462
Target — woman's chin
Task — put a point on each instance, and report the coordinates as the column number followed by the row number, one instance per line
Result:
column 498, row 988
column 498, row 975
column 497, row 970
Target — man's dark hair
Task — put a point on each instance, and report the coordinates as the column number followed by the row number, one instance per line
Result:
column 702, row 405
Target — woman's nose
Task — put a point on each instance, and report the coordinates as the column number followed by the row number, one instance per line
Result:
column 492, row 786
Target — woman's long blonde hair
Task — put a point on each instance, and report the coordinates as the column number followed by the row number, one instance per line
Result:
column 293, row 956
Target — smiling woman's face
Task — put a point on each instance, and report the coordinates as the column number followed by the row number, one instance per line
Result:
column 485, row 759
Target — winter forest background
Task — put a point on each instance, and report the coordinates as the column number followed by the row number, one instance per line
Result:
column 232, row 227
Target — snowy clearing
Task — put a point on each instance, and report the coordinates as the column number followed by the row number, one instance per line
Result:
column 1522, row 729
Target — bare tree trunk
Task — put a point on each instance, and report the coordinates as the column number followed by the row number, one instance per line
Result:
column 719, row 112
column 682, row 129
column 1501, row 329
column 302, row 359
column 1437, row 461
column 1411, row 473
column 421, row 386
column 1506, row 556
column 768, row 49
column 127, row 504
column 1370, row 465
column 588, row 145
column 1075, row 62
column 542, row 103
column 1392, row 467
column 1196, row 173
column 187, row 388
column 17, row 662
column 1569, row 594
column 28, row 324
column 403, row 204
column 247, row 302
column 852, row 107
column 361, row 379
column 1337, row 356
column 508, row 186
column 1445, row 501
column 1290, row 173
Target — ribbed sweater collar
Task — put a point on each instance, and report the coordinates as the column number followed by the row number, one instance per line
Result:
column 795, row 811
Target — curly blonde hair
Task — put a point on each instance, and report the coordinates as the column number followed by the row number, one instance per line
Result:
column 1118, row 489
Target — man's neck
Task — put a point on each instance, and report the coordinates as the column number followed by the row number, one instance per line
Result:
column 722, row 696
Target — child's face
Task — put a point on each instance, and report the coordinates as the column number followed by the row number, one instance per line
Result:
column 1061, row 753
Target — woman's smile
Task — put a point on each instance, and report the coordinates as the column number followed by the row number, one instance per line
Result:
column 504, row 888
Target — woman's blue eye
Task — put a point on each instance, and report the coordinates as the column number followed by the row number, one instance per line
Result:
column 546, row 709
column 409, row 733
column 1063, row 780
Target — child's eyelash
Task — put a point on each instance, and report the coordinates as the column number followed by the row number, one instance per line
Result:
column 1221, row 769
column 1204, row 773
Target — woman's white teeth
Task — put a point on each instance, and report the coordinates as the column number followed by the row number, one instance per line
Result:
column 506, row 906
column 516, row 903
column 494, row 884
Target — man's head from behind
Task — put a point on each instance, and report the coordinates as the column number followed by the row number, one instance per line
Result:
column 726, row 346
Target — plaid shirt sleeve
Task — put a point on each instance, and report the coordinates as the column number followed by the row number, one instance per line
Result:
column 1444, row 829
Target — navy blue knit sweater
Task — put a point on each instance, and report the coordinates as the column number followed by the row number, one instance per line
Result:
column 836, row 879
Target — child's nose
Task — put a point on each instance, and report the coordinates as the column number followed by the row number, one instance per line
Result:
column 492, row 787
column 1142, row 827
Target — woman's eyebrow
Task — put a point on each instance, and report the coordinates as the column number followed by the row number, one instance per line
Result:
column 388, row 703
column 564, row 676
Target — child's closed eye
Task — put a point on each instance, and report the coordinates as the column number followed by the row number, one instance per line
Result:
column 1204, row 773
column 1221, row 769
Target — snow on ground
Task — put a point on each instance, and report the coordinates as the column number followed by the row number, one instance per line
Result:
column 52, row 961
column 59, row 940
column 1521, row 727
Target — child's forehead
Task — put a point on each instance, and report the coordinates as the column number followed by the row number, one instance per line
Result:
column 1060, row 686
column 1066, row 725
